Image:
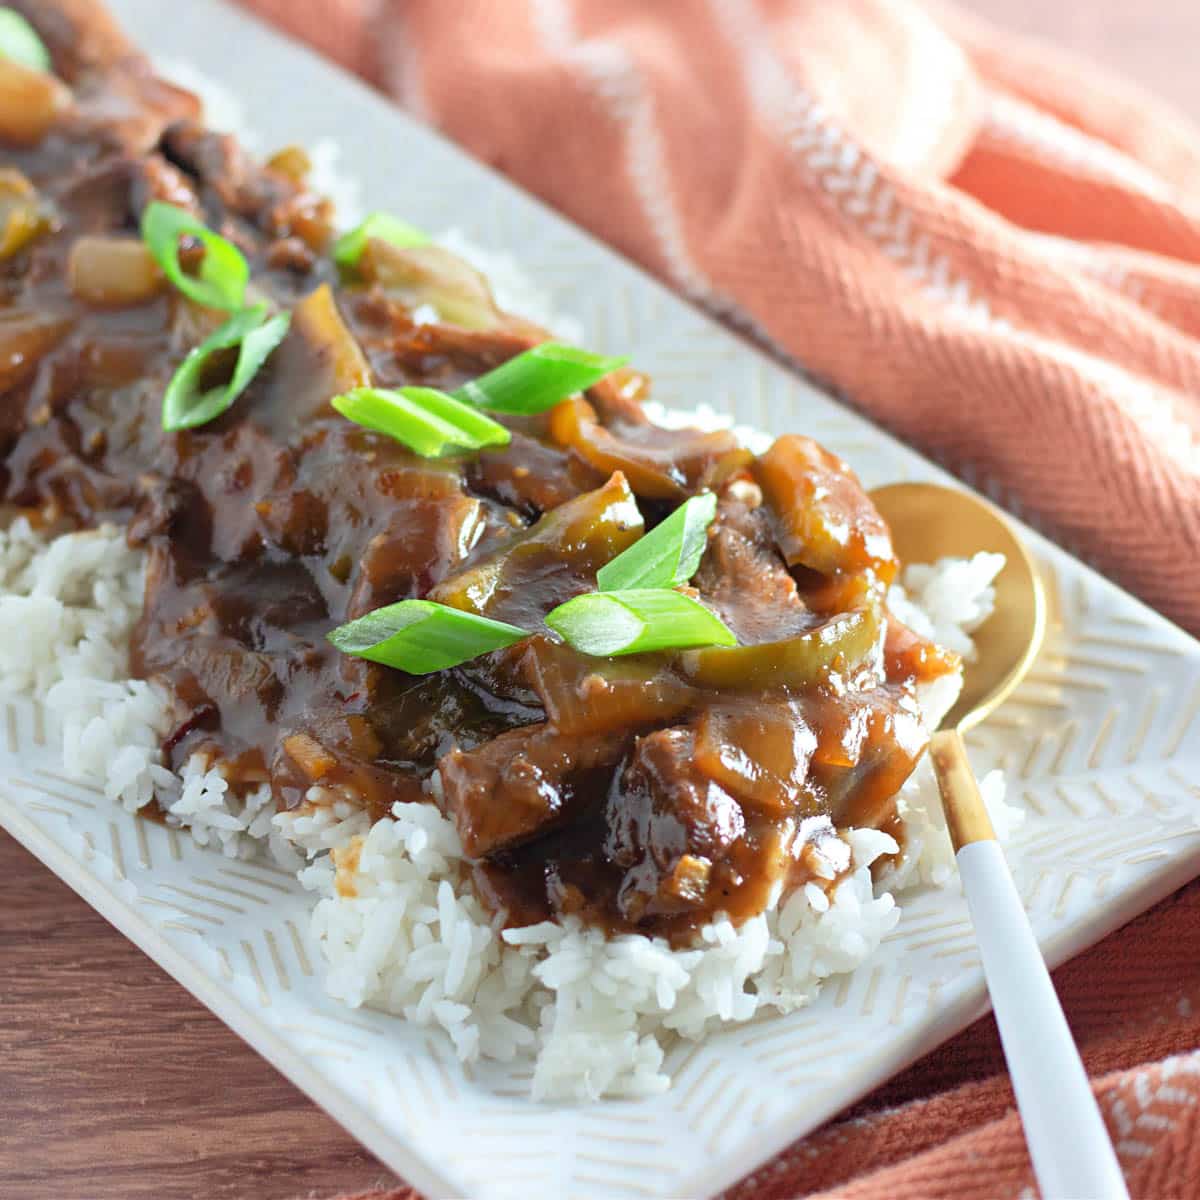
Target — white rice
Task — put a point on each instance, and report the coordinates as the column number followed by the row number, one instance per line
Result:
column 948, row 600
column 403, row 933
column 400, row 929
column 400, row 934
column 68, row 605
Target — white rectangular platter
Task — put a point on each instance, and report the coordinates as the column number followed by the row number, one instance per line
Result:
column 1102, row 746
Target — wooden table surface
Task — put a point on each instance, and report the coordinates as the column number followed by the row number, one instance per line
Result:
column 114, row 1082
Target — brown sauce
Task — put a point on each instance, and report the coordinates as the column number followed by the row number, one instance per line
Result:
column 645, row 793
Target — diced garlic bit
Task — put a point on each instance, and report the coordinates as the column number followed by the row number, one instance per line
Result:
column 746, row 491
column 688, row 880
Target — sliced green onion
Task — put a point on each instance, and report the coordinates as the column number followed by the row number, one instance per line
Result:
column 668, row 555
column 186, row 403
column 419, row 636
column 349, row 247
column 605, row 624
column 538, row 379
column 223, row 273
column 20, row 42
column 427, row 421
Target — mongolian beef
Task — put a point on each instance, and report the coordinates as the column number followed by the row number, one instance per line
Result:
column 767, row 693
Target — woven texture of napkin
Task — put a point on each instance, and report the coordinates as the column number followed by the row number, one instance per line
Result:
column 991, row 251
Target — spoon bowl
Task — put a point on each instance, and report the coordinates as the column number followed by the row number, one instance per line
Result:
column 928, row 522
column 1068, row 1142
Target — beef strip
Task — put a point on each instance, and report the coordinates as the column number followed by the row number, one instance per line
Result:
column 744, row 578
column 632, row 793
column 520, row 785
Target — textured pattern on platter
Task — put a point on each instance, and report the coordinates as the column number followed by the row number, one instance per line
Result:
column 1102, row 744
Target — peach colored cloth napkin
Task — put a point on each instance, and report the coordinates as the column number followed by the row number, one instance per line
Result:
column 987, row 248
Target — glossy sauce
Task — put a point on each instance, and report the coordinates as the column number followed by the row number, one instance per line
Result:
column 644, row 793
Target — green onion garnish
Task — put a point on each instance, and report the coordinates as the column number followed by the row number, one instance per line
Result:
column 668, row 555
column 425, row 420
column 419, row 636
column 186, row 402
column 20, row 42
column 223, row 272
column 538, row 379
column 637, row 621
column 349, row 247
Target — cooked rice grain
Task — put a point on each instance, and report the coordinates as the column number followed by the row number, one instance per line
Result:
column 400, row 928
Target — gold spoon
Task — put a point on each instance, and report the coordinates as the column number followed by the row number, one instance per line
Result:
column 1068, row 1143
column 929, row 522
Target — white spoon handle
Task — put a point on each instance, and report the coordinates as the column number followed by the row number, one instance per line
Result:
column 1068, row 1143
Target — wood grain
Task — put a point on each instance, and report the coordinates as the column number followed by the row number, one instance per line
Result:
column 114, row 1082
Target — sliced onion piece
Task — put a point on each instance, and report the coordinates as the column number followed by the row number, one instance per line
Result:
column 21, row 216
column 431, row 275
column 587, row 695
column 30, row 103
column 112, row 272
column 758, row 750
column 24, row 338
column 660, row 464
column 317, row 320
